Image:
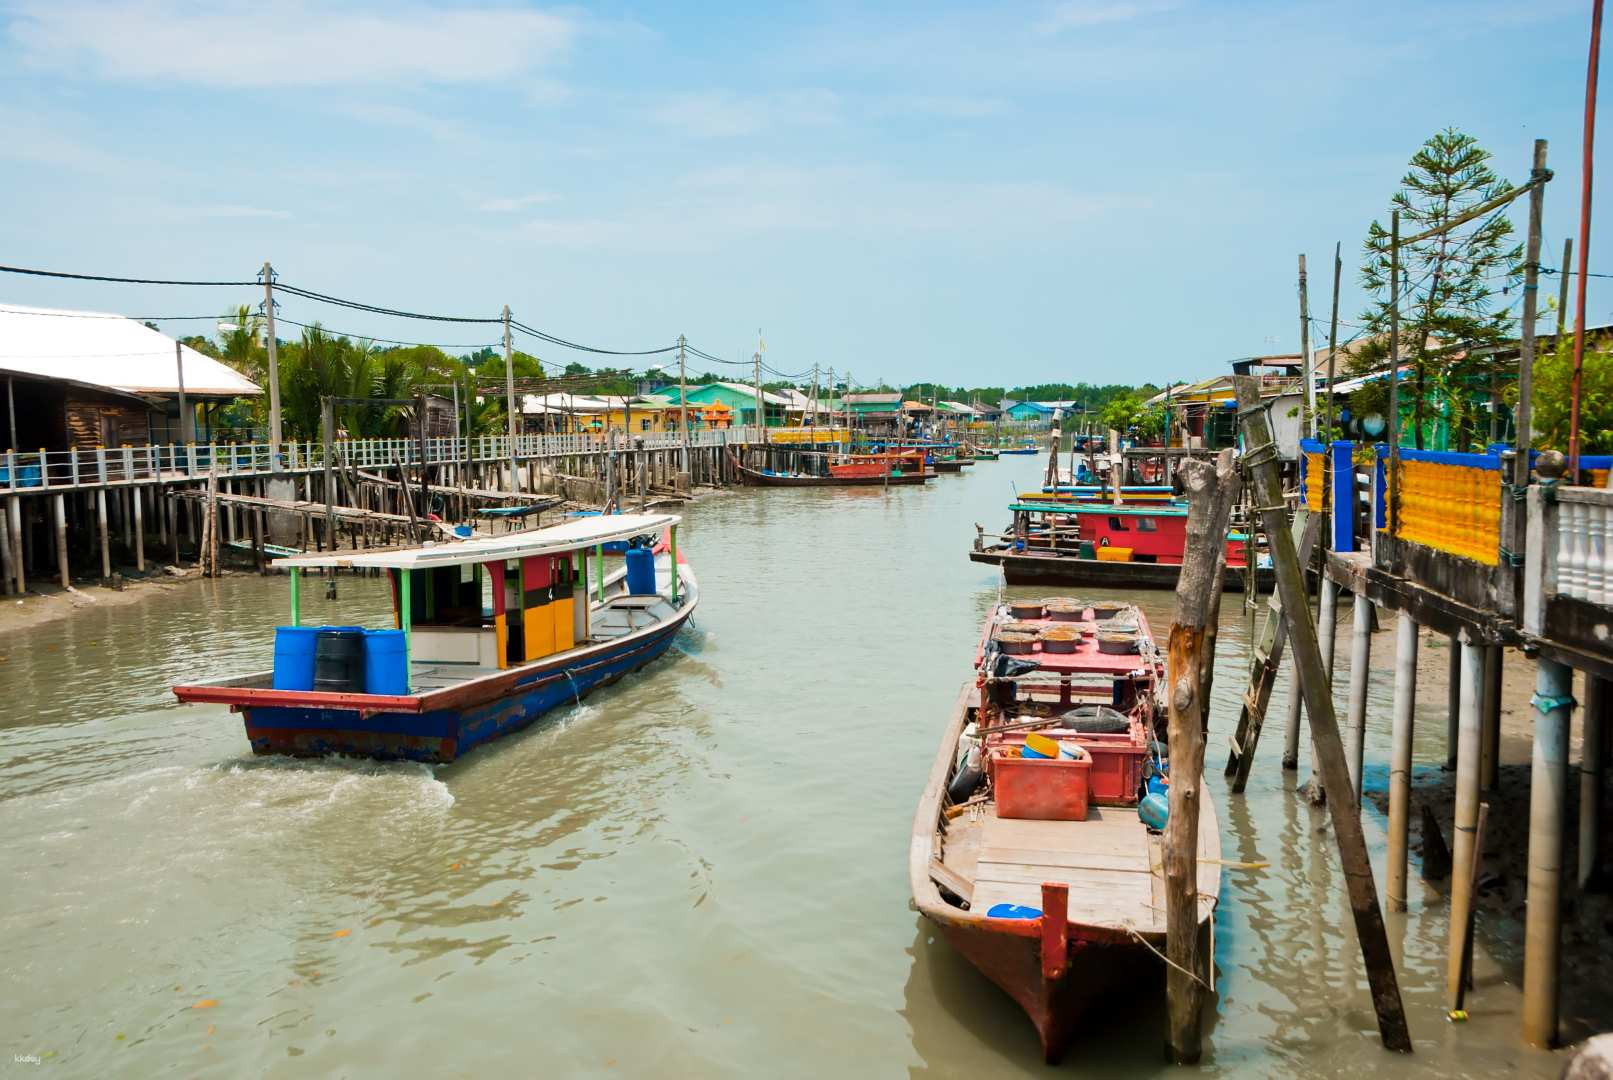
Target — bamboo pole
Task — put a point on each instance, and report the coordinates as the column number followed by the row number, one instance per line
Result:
column 1400, row 760
column 60, row 509
column 1211, row 490
column 1260, row 459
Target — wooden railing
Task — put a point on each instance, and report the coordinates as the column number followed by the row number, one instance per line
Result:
column 50, row 469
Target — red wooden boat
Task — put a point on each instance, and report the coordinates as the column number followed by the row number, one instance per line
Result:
column 1070, row 543
column 1053, row 898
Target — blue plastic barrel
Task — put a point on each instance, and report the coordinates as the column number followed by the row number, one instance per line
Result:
column 294, row 657
column 1154, row 810
column 386, row 662
column 640, row 571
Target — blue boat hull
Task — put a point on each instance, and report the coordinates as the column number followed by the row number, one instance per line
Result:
column 442, row 735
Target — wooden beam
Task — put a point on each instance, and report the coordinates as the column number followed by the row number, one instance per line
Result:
column 1260, row 457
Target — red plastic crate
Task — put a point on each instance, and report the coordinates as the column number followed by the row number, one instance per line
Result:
column 1117, row 764
column 1041, row 789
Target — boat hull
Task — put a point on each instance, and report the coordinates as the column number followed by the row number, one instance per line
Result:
column 1072, row 570
column 444, row 734
column 761, row 479
column 1055, row 1007
column 1025, row 452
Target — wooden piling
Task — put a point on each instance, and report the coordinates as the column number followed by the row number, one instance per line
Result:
column 1260, row 459
column 1360, row 676
column 1548, row 797
column 1400, row 761
column 106, row 538
column 1453, row 703
column 1211, row 490
column 1592, row 757
column 1467, row 808
column 1490, row 720
column 8, row 570
column 59, row 505
column 139, row 531
column 1327, row 626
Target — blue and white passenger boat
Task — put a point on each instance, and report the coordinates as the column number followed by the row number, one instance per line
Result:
column 488, row 634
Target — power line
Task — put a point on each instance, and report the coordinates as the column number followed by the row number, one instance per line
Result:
column 385, row 341
column 376, row 309
column 542, row 335
column 7, row 310
column 31, row 272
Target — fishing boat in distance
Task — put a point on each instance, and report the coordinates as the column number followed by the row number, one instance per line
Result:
column 454, row 672
column 1033, row 850
column 850, row 470
column 1091, row 544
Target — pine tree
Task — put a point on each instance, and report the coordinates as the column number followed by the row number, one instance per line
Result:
column 1454, row 287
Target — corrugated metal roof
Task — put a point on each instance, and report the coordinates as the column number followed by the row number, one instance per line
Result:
column 108, row 350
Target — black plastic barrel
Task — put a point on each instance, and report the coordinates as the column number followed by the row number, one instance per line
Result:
column 339, row 661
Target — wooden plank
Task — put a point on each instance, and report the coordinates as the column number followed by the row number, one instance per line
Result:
column 956, row 884
column 1069, row 860
column 1263, row 671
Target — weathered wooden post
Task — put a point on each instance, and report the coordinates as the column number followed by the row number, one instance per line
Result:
column 60, row 508
column 1260, row 457
column 1360, row 676
column 1490, row 720
column 1400, row 760
column 1593, row 751
column 1211, row 490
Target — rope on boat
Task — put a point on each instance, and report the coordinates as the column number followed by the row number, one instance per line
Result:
column 1131, row 929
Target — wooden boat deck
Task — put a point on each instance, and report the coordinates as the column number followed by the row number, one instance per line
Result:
column 1112, row 865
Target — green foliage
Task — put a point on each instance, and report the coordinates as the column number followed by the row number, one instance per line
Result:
column 1127, row 414
column 1451, row 298
column 1553, row 380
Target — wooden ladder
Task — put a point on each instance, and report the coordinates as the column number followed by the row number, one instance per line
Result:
column 1267, row 659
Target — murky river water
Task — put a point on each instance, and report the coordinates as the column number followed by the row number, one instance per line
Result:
column 699, row 872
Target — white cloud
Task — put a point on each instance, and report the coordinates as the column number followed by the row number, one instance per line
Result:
column 721, row 115
column 235, row 44
column 518, row 202
column 952, row 107
column 1079, row 14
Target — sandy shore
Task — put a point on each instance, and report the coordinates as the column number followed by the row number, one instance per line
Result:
column 47, row 603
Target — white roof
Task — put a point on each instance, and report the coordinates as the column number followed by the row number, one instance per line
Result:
column 959, row 407
column 108, row 350
column 578, row 533
column 561, row 403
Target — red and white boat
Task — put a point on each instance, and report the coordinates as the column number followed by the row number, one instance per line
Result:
column 1041, row 871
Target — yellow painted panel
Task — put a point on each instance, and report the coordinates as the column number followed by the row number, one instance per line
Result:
column 539, row 627
column 564, row 623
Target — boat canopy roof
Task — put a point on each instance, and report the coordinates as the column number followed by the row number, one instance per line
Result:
column 1145, row 510
column 580, row 533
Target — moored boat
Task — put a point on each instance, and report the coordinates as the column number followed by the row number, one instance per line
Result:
column 1040, row 870
column 1085, row 544
column 871, row 478
column 451, row 673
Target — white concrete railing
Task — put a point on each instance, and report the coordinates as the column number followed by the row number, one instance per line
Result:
column 1584, row 537
column 54, row 469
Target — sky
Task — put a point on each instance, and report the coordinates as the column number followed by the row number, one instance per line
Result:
column 1073, row 190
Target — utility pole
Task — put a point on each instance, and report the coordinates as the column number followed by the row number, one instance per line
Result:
column 813, row 403
column 1305, row 351
column 1562, row 293
column 509, row 397
column 1332, row 342
column 761, row 407
column 1584, row 241
column 683, row 406
column 187, row 430
column 274, row 367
